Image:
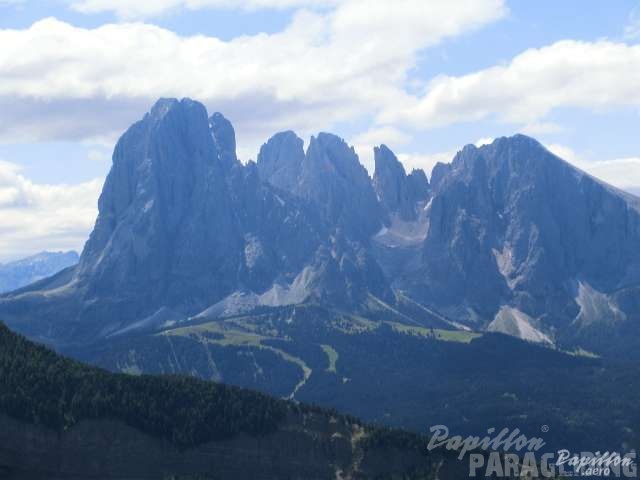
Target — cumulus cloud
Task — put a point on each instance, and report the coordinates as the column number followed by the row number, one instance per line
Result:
column 365, row 141
column 36, row 216
column 564, row 152
column 64, row 82
column 149, row 8
column 623, row 173
column 592, row 75
column 341, row 62
column 424, row 161
column 484, row 141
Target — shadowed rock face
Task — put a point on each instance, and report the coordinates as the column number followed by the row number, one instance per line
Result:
column 507, row 237
column 165, row 214
column 224, row 137
column 182, row 225
column 280, row 161
column 398, row 192
column 333, row 178
column 512, row 224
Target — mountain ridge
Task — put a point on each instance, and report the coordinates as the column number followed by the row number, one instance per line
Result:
column 121, row 426
column 507, row 237
column 20, row 273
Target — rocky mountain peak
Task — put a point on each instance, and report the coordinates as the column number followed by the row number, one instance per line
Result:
column 398, row 192
column 280, row 160
column 418, row 183
column 506, row 237
column 224, row 137
column 333, row 177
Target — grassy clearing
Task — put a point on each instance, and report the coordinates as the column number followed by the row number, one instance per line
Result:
column 230, row 336
column 233, row 334
column 460, row 336
column 332, row 355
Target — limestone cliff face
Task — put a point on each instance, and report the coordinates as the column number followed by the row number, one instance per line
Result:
column 507, row 237
column 398, row 192
column 181, row 225
column 280, row 160
column 519, row 236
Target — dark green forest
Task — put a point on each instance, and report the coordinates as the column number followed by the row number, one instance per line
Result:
column 413, row 382
column 41, row 387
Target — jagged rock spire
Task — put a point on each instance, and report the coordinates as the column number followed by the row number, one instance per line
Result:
column 397, row 191
column 280, row 160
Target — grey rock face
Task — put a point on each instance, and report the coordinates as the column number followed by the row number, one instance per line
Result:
column 398, row 192
column 182, row 225
column 333, row 178
column 513, row 225
column 507, row 237
column 17, row 274
column 224, row 137
column 165, row 215
column 280, row 161
column 329, row 176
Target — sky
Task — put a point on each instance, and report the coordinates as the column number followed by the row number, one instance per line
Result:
column 424, row 77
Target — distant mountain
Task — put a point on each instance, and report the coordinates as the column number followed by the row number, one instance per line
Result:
column 61, row 419
column 22, row 272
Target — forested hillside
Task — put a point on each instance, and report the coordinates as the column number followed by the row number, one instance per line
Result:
column 62, row 419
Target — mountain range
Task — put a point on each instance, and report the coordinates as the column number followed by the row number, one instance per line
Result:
column 302, row 276
column 20, row 273
column 507, row 237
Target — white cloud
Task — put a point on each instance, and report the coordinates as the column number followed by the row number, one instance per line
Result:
column 396, row 139
column 35, row 217
column 366, row 141
column 592, row 75
column 564, row 152
column 424, row 161
column 99, row 155
column 623, row 173
column 541, row 128
column 149, row 8
column 484, row 141
column 60, row 82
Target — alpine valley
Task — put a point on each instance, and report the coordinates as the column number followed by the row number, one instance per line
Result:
column 494, row 293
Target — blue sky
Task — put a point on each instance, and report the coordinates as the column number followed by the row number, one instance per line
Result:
column 424, row 77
